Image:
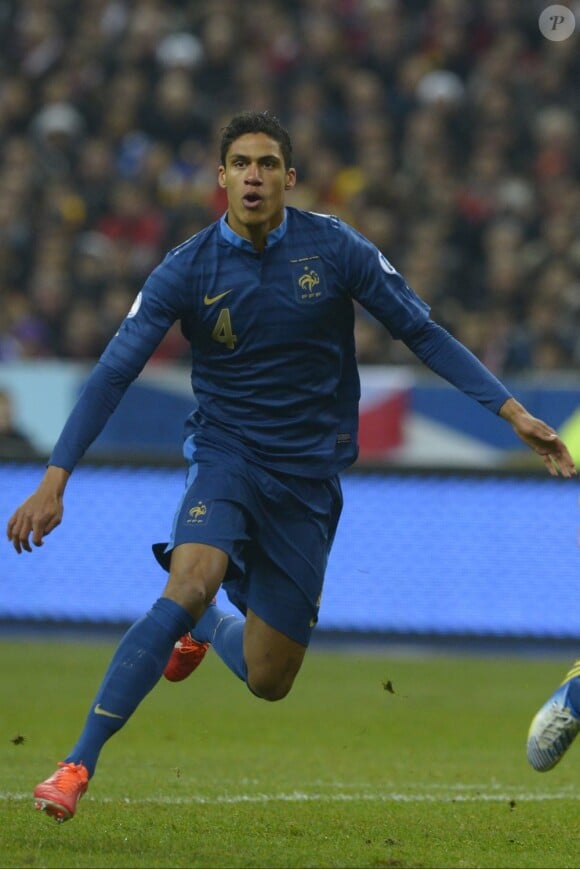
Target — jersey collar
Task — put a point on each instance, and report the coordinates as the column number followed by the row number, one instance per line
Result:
column 237, row 241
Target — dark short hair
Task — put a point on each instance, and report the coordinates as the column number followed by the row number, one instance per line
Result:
column 256, row 122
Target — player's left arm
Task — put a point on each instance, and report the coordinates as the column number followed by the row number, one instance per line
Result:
column 450, row 359
column 382, row 290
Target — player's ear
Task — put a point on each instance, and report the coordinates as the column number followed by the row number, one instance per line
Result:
column 222, row 176
column 290, row 179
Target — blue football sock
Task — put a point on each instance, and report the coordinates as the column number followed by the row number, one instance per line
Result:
column 135, row 669
column 225, row 632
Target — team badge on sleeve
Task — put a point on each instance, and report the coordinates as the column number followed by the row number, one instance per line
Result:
column 136, row 305
column 385, row 265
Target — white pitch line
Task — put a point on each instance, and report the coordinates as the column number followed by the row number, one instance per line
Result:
column 303, row 797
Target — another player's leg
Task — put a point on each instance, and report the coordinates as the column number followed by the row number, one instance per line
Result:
column 556, row 724
column 135, row 669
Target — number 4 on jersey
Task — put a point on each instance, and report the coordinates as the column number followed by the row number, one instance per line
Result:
column 223, row 331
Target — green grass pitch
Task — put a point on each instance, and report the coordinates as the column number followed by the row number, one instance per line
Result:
column 374, row 760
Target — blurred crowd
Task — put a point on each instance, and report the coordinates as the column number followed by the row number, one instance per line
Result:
column 447, row 131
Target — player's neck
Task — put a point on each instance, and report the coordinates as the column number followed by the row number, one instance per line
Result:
column 256, row 234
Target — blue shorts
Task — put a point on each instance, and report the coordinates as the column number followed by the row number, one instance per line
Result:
column 276, row 528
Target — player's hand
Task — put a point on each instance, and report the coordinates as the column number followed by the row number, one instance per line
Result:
column 541, row 438
column 40, row 514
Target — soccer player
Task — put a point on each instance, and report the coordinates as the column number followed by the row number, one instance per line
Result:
column 556, row 723
column 265, row 296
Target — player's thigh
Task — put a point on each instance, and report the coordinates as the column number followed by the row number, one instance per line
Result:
column 207, row 540
column 273, row 659
column 196, row 573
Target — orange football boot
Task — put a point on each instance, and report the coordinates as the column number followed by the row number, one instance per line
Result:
column 59, row 795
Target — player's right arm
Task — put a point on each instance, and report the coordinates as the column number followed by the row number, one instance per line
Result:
column 41, row 513
column 156, row 308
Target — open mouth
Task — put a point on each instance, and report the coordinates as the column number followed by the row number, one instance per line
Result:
column 252, row 200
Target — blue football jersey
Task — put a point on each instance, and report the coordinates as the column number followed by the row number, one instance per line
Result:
column 274, row 367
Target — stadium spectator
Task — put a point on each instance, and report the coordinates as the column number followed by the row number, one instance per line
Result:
column 14, row 443
column 461, row 114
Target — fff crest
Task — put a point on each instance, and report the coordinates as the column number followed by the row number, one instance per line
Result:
column 309, row 278
column 197, row 513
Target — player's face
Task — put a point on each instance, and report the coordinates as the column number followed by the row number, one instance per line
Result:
column 255, row 179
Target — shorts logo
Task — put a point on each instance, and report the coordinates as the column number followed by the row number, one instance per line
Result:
column 196, row 514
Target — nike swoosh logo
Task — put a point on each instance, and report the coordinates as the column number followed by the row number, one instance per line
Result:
column 207, row 300
column 98, row 710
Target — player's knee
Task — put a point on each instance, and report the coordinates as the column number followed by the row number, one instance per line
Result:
column 189, row 590
column 268, row 684
column 191, row 597
column 196, row 573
